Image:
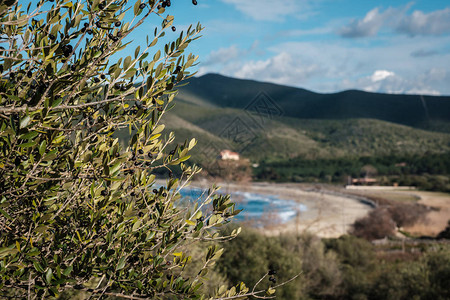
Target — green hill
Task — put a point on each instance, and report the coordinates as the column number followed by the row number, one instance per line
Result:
column 307, row 124
column 412, row 110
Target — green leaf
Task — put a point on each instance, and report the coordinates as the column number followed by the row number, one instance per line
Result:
column 49, row 275
column 67, row 271
column 184, row 158
column 189, row 222
column 38, row 267
column 270, row 291
column 121, row 263
column 42, row 147
column 29, row 135
column 24, row 122
column 27, row 145
column 136, row 7
column 57, row 102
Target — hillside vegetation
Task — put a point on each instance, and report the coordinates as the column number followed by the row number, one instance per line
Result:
column 308, row 125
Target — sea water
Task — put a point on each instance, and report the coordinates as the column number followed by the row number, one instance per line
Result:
column 255, row 207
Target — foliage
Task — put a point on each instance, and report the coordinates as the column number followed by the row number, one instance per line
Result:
column 78, row 210
column 251, row 254
column 342, row 268
column 426, row 171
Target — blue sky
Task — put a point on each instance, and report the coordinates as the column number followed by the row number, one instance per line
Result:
column 324, row 45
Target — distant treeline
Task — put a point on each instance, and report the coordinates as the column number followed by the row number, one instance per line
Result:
column 419, row 170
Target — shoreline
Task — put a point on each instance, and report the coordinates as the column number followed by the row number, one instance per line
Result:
column 329, row 213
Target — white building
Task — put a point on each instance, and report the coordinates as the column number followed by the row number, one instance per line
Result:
column 228, row 155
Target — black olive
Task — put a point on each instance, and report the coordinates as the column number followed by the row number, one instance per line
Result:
column 89, row 31
column 101, row 6
column 194, row 2
column 164, row 194
column 155, row 191
column 86, row 25
column 73, row 67
column 118, row 23
column 29, row 74
column 172, row 152
column 142, row 6
column 133, row 194
column 141, row 151
column 174, row 28
column 102, row 76
column 117, row 154
column 52, row 37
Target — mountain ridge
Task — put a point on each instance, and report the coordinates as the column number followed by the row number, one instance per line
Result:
column 412, row 110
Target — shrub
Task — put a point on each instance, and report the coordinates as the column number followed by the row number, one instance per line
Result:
column 378, row 224
column 78, row 210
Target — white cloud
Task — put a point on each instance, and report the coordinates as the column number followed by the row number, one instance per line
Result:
column 389, row 82
column 371, row 24
column 331, row 66
column 398, row 20
column 381, row 75
column 419, row 23
column 282, row 68
column 269, row 10
column 222, row 55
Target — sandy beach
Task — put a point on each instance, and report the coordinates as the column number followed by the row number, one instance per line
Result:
column 329, row 213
